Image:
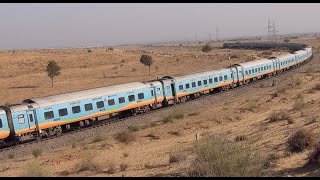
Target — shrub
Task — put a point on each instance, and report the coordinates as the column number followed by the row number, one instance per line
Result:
column 290, row 121
column 316, row 87
column 34, row 169
column 177, row 133
column 281, row 90
column 133, row 69
column 194, row 114
column 153, row 124
column 111, row 168
column 123, row 166
column 279, row 115
column 240, row 138
column 36, row 152
column 125, row 137
column 234, row 56
column 125, row 154
column 89, row 51
column 218, row 157
column 87, row 163
column 206, row 48
column 133, row 128
column 300, row 140
column 298, row 104
column 110, row 49
column 98, row 137
column 176, row 158
column 167, row 119
column 314, row 155
column 11, row 155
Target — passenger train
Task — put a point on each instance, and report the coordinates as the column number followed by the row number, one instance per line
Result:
column 53, row 115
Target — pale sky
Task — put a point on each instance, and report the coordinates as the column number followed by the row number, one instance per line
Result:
column 34, row 25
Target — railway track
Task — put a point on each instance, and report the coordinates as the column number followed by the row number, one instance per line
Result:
column 117, row 119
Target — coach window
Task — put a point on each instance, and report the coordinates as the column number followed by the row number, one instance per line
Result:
column 225, row 77
column 75, row 109
column 210, row 80
column 205, row 82
column 246, row 72
column 256, row 70
column 131, row 98
column 111, row 102
column 88, row 107
column 140, row 96
column 151, row 94
column 199, row 83
column 215, row 79
column 121, row 100
column 0, row 123
column 63, row 112
column 47, row 115
column 193, row 84
column 100, row 104
column 249, row 71
column 270, row 66
column 180, row 87
column 220, row 78
column 187, row 86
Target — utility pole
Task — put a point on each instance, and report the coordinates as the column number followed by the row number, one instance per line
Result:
column 269, row 29
column 217, row 34
column 274, row 31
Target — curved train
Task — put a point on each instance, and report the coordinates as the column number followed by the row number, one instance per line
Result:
column 53, row 115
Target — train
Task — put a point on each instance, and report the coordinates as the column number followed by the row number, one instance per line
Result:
column 53, row 115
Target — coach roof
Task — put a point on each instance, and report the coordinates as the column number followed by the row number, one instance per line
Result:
column 199, row 74
column 86, row 94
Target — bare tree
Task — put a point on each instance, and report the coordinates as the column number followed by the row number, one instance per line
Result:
column 146, row 60
column 53, row 70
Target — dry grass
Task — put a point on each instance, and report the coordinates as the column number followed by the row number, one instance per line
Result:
column 316, row 87
column 240, row 138
column 111, row 169
column 281, row 90
column 218, row 157
column 298, row 104
column 300, row 140
column 314, row 155
column 134, row 128
column 36, row 152
column 11, row 155
column 125, row 137
column 176, row 157
column 35, row 169
column 252, row 105
column 97, row 138
column 87, row 163
column 279, row 115
column 123, row 166
column 194, row 114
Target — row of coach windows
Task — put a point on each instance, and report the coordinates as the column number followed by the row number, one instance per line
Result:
column 88, row 107
column 205, row 82
column 287, row 62
column 254, row 70
column 0, row 123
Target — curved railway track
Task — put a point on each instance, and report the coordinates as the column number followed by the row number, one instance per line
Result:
column 117, row 119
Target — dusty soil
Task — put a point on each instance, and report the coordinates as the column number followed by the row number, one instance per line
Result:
column 246, row 114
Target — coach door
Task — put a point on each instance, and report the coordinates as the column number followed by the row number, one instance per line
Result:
column 235, row 76
column 32, row 119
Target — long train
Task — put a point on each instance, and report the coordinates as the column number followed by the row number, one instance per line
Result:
column 53, row 115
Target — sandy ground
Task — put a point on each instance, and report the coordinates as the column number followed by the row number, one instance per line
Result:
column 247, row 115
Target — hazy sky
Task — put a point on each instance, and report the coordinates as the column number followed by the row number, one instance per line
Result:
column 73, row 25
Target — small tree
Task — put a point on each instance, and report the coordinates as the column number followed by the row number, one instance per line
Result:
column 146, row 60
column 286, row 40
column 53, row 70
column 206, row 48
